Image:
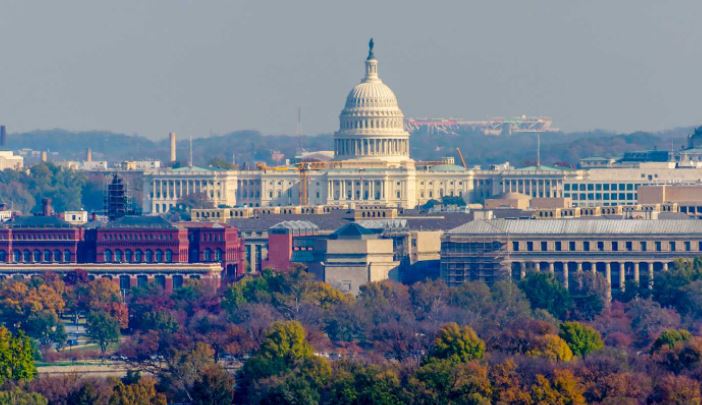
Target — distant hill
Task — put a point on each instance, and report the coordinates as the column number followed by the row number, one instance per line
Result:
column 252, row 146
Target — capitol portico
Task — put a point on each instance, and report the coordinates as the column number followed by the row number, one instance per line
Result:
column 371, row 165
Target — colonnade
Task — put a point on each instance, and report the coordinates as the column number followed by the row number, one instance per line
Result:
column 371, row 147
column 624, row 270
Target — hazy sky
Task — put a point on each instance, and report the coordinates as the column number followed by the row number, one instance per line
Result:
column 201, row 67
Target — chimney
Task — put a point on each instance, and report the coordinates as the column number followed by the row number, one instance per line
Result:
column 89, row 155
column 3, row 136
column 46, row 209
column 44, row 156
column 172, row 138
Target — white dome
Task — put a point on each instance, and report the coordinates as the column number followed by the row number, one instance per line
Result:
column 371, row 125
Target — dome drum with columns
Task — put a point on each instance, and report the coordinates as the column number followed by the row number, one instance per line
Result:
column 371, row 125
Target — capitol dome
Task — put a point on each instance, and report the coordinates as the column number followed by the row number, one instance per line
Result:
column 371, row 125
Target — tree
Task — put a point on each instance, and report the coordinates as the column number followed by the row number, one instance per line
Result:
column 102, row 329
column 141, row 392
column 355, row 383
column 551, row 347
column 582, row 339
column 16, row 357
column 444, row 382
column 563, row 389
column 544, row 291
column 283, row 368
column 457, row 344
column 214, row 386
column 669, row 338
column 679, row 390
column 17, row 396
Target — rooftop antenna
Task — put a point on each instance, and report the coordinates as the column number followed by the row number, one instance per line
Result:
column 538, row 150
column 190, row 161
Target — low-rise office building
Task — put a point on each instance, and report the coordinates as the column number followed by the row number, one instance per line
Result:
column 622, row 250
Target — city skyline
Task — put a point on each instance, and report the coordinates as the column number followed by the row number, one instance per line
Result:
column 149, row 69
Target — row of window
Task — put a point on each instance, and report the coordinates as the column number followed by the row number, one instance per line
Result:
column 605, row 246
column 601, row 187
column 38, row 256
column 137, row 236
column 42, row 236
column 151, row 256
column 601, row 196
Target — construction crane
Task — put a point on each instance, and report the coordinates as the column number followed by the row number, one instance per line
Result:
column 460, row 156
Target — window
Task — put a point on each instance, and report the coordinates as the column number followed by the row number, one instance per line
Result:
column 586, row 246
column 672, row 245
column 159, row 256
column 128, row 255
column 37, row 256
column 615, row 246
column 687, row 246
column 169, row 256
column 3, row 256
column 218, row 254
column 530, row 246
column 558, row 246
column 107, row 256
column 600, row 246
column 138, row 256
column 57, row 255
column 544, row 246
column 571, row 246
column 118, row 256
column 658, row 246
column 208, row 255
column 47, row 255
column 643, row 246
column 515, row 246
column 67, row 256
column 149, row 256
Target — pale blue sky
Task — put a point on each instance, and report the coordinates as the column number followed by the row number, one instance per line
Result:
column 201, row 67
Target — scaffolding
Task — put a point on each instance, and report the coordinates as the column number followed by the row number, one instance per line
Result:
column 472, row 259
column 116, row 200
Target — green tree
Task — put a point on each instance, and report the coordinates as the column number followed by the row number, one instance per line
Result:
column 16, row 357
column 669, row 338
column 355, row 383
column 544, row 291
column 17, row 396
column 457, row 344
column 582, row 339
column 102, row 329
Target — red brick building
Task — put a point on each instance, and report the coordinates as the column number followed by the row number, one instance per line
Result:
column 39, row 239
column 214, row 242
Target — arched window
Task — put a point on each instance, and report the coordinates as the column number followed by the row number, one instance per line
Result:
column 3, row 256
column 37, row 256
column 149, row 256
column 169, row 256
column 159, row 256
column 16, row 256
column 57, row 255
column 118, row 256
column 139, row 256
column 67, row 256
column 128, row 255
column 208, row 255
column 108, row 256
column 47, row 255
column 218, row 254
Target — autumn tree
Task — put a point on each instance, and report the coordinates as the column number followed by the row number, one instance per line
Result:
column 141, row 392
column 582, row 339
column 669, row 338
column 17, row 396
column 678, row 390
column 562, row 389
column 457, row 344
column 551, row 347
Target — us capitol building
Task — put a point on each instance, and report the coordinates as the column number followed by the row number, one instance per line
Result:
column 371, row 165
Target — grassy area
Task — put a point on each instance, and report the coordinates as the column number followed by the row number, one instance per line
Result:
column 63, row 363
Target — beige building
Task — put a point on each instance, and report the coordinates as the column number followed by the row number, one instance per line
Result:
column 355, row 256
column 621, row 250
column 9, row 160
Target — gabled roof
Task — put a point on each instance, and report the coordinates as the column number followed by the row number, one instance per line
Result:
column 580, row 227
column 139, row 221
column 38, row 221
